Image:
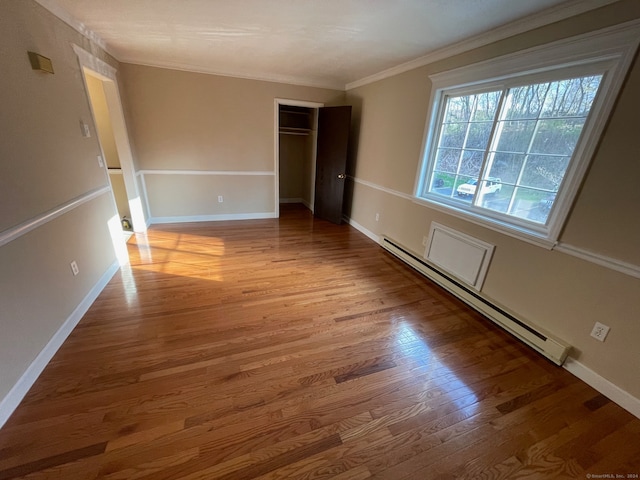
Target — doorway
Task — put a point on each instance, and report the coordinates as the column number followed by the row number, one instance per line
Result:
column 106, row 107
column 311, row 144
column 295, row 152
column 104, row 128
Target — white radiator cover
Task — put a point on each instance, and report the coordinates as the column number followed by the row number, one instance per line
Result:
column 460, row 255
column 552, row 348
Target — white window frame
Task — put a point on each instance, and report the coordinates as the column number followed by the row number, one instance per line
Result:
column 609, row 51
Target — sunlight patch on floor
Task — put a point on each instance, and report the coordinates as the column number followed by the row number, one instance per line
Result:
column 185, row 255
column 413, row 344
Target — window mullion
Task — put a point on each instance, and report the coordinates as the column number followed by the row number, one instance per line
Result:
column 494, row 137
column 464, row 142
column 524, row 164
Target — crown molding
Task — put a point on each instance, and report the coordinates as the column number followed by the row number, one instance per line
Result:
column 530, row 22
column 58, row 11
column 551, row 15
column 286, row 79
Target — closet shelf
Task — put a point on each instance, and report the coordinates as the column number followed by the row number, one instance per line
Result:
column 295, row 131
column 295, row 112
column 295, row 120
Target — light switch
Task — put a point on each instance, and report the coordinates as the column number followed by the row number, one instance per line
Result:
column 84, row 128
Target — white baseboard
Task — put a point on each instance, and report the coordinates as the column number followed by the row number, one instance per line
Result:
column 361, row 229
column 604, row 386
column 212, row 218
column 11, row 401
column 588, row 376
column 591, row 378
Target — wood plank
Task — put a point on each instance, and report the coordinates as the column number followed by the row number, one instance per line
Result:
column 53, row 461
column 295, row 348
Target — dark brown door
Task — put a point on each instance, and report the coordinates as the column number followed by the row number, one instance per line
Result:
column 331, row 161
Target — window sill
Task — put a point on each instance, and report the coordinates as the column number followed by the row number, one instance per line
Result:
column 515, row 231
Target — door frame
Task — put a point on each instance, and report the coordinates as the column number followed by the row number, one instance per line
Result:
column 91, row 65
column 314, row 132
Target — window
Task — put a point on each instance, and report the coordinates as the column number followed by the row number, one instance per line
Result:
column 516, row 143
column 508, row 141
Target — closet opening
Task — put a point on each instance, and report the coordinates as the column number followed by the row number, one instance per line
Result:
column 296, row 153
column 311, row 144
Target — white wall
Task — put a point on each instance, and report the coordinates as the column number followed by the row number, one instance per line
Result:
column 219, row 130
column 45, row 165
column 557, row 291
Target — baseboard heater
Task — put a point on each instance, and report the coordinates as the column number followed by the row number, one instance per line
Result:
column 552, row 348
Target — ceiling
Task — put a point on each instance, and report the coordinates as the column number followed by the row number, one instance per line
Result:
column 330, row 43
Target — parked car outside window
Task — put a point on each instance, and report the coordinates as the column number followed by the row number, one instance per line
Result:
column 489, row 186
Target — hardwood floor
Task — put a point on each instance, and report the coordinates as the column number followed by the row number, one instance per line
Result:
column 294, row 348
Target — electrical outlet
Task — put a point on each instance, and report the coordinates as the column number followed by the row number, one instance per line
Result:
column 74, row 268
column 377, row 217
column 220, row 199
column 425, row 239
column 599, row 331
